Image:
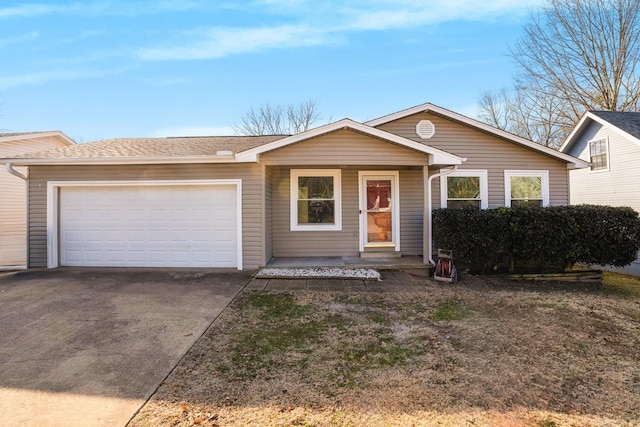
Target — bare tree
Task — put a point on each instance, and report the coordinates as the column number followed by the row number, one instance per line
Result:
column 270, row 119
column 575, row 55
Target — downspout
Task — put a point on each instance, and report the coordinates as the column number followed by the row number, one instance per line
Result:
column 12, row 171
column 429, row 208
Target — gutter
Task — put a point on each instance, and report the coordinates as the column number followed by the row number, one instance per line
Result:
column 14, row 172
column 429, row 208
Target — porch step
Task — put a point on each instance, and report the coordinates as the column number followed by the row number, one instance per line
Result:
column 380, row 254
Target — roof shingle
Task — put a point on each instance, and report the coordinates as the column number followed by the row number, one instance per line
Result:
column 154, row 147
column 624, row 120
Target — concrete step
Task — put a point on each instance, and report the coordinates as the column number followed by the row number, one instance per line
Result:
column 380, row 254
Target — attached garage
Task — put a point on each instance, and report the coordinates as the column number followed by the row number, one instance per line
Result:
column 145, row 224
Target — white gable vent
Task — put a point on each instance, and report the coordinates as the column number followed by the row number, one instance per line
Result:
column 425, row 129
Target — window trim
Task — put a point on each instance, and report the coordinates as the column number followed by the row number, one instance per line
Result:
column 484, row 186
column 543, row 174
column 336, row 174
column 607, row 152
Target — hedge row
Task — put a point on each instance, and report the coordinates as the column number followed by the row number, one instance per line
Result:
column 538, row 239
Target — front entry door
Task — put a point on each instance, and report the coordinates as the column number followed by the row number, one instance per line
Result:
column 379, row 219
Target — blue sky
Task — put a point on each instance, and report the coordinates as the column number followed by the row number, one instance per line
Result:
column 105, row 69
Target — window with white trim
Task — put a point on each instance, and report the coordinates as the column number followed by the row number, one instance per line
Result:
column 526, row 188
column 316, row 199
column 599, row 154
column 464, row 189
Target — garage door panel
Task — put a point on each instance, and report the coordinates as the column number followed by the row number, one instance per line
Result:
column 149, row 226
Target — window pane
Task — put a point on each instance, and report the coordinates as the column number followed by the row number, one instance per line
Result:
column 459, row 204
column 463, row 187
column 316, row 212
column 526, row 187
column 315, row 187
column 598, row 154
column 598, row 147
column 521, row 203
column 378, row 194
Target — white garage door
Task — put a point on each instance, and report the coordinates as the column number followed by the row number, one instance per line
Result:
column 149, row 226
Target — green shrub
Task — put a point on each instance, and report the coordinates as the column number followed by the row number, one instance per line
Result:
column 538, row 239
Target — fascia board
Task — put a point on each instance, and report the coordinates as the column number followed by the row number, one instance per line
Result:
column 38, row 135
column 118, row 161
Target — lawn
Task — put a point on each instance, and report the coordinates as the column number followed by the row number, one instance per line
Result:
column 481, row 352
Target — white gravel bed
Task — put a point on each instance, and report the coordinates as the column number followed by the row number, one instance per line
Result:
column 318, row 273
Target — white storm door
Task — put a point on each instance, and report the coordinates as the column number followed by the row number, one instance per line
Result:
column 379, row 210
column 149, row 226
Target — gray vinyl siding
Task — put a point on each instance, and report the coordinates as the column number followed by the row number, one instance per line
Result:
column 411, row 212
column 268, row 217
column 345, row 242
column 485, row 152
column 616, row 187
column 345, row 147
column 351, row 152
column 252, row 197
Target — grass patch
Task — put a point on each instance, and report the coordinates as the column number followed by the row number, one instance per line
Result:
column 621, row 284
column 284, row 327
column 449, row 310
column 532, row 356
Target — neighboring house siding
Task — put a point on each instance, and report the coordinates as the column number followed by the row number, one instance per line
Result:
column 616, row 187
column 252, row 196
column 346, row 241
column 13, row 208
column 484, row 151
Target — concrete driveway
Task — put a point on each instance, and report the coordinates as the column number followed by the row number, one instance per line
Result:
column 87, row 347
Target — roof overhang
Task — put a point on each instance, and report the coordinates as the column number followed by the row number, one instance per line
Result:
column 436, row 156
column 572, row 162
column 64, row 139
column 119, row 160
column 584, row 121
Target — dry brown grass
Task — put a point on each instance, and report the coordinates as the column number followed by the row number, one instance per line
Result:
column 482, row 352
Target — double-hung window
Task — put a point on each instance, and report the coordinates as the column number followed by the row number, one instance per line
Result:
column 526, row 188
column 316, row 199
column 599, row 154
column 464, row 189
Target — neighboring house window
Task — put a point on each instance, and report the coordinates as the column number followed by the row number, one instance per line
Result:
column 524, row 188
column 598, row 154
column 315, row 199
column 464, row 189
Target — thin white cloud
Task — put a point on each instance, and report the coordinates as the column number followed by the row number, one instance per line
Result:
column 99, row 8
column 23, row 38
column 221, row 42
column 11, row 82
column 324, row 25
column 194, row 131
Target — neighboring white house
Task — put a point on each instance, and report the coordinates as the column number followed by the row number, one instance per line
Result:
column 13, row 192
column 610, row 141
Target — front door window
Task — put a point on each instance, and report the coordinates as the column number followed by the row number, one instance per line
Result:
column 379, row 211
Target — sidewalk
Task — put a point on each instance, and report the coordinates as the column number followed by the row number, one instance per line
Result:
column 392, row 281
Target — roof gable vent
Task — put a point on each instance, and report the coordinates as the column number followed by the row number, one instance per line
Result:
column 425, row 129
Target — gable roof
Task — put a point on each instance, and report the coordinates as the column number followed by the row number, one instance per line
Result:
column 625, row 123
column 209, row 149
column 428, row 107
column 436, row 156
column 17, row 136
